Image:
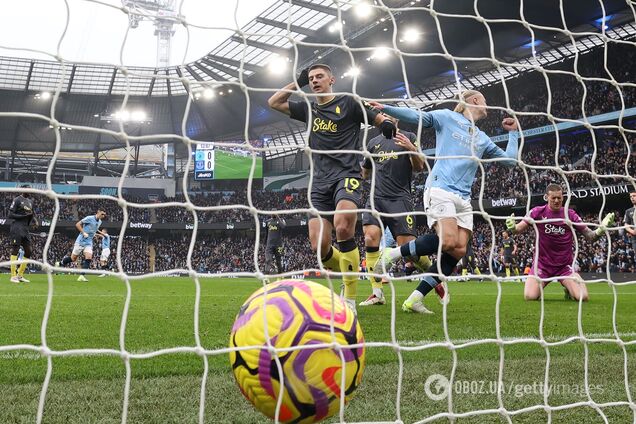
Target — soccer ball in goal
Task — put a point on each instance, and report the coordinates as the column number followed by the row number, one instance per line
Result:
column 301, row 348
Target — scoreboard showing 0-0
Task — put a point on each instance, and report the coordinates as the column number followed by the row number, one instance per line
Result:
column 204, row 162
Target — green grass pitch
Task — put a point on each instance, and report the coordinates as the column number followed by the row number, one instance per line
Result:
column 166, row 389
column 232, row 167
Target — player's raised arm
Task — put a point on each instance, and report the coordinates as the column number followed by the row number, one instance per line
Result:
column 592, row 235
column 405, row 114
column 512, row 149
column 280, row 100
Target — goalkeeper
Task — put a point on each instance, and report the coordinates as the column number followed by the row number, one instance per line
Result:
column 556, row 245
column 21, row 211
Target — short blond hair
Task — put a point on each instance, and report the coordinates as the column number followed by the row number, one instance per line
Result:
column 465, row 95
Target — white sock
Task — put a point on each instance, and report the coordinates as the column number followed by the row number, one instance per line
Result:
column 394, row 254
column 378, row 292
column 416, row 296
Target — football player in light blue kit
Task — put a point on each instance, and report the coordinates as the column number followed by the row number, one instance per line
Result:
column 448, row 186
column 87, row 228
column 103, row 258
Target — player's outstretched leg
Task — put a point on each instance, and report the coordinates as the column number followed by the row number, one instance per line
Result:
column 425, row 245
column 429, row 283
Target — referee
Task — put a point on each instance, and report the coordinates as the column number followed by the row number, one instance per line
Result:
column 21, row 212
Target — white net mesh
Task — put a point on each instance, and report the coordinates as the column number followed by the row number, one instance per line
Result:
column 574, row 97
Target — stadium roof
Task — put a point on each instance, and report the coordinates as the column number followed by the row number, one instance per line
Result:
column 91, row 95
column 266, row 36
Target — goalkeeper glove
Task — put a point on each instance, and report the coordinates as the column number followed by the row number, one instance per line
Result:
column 388, row 129
column 303, row 78
column 511, row 225
column 608, row 221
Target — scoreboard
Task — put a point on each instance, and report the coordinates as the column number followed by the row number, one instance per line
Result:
column 204, row 162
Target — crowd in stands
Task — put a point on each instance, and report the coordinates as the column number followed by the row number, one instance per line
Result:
column 233, row 252
column 529, row 95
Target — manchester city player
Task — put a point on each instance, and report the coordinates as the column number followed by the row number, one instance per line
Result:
column 103, row 257
column 459, row 146
column 334, row 124
column 87, row 228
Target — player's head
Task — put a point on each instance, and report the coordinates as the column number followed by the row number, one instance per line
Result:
column 505, row 234
column 632, row 196
column 475, row 104
column 26, row 193
column 392, row 119
column 554, row 196
column 101, row 214
column 321, row 78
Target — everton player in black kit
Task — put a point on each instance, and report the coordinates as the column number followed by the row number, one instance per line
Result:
column 508, row 252
column 274, row 246
column 21, row 212
column 334, row 124
column 392, row 194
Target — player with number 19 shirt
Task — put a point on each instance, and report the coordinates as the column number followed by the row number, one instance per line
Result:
column 334, row 124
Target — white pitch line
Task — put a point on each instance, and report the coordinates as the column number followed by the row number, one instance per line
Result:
column 550, row 338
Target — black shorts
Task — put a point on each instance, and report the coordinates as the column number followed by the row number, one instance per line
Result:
column 272, row 251
column 19, row 235
column 509, row 259
column 398, row 225
column 326, row 196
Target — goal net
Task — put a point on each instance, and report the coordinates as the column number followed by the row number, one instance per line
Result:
column 190, row 244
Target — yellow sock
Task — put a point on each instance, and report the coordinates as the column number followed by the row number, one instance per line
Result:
column 349, row 262
column 333, row 262
column 14, row 258
column 477, row 271
column 516, row 271
column 464, row 271
column 22, row 269
column 372, row 261
column 507, row 272
column 424, row 262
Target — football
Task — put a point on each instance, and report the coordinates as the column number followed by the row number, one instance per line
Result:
column 283, row 335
